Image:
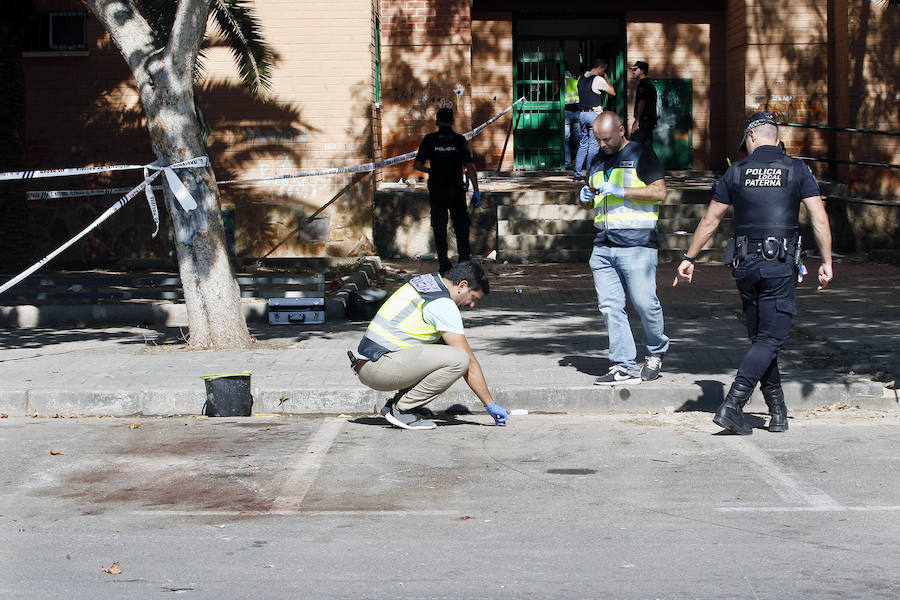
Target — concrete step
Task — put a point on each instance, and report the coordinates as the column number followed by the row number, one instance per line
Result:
column 568, row 212
column 539, row 242
column 532, row 243
column 680, row 242
column 531, row 197
column 544, row 227
column 546, row 256
column 674, row 224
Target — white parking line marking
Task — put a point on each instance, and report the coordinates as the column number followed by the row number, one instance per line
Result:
column 297, row 482
column 807, row 508
column 282, row 512
column 788, row 487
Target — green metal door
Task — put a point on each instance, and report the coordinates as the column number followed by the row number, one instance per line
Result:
column 539, row 137
column 672, row 138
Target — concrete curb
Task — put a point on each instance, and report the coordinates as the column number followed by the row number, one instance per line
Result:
column 701, row 395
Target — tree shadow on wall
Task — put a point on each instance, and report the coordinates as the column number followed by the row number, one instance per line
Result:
column 267, row 139
column 243, row 132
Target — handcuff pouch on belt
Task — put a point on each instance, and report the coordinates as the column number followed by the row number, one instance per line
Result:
column 769, row 247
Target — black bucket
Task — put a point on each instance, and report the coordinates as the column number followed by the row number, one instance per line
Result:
column 228, row 395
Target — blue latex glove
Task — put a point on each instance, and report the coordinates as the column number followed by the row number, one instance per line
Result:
column 498, row 412
column 476, row 199
column 586, row 195
column 611, row 188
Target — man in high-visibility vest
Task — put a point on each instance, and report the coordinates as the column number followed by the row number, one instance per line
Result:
column 626, row 185
column 400, row 349
column 573, row 110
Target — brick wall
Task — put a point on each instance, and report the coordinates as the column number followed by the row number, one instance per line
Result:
column 785, row 53
column 685, row 45
column 492, row 87
column 82, row 109
column 320, row 114
column 426, row 48
column 874, row 95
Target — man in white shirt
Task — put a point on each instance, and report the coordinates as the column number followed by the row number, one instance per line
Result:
column 593, row 88
column 399, row 348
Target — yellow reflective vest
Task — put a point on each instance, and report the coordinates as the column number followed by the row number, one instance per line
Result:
column 571, row 96
column 400, row 322
column 627, row 221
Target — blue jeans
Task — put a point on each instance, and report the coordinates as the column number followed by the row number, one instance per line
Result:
column 571, row 124
column 587, row 145
column 632, row 270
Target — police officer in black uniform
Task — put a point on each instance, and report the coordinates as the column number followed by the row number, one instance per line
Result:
column 447, row 153
column 766, row 190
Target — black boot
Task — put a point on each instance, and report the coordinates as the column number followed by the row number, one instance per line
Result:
column 730, row 415
column 777, row 409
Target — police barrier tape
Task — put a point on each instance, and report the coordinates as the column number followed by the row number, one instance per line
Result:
column 181, row 193
column 178, row 189
column 373, row 166
column 107, row 214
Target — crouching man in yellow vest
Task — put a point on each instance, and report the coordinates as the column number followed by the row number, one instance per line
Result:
column 399, row 348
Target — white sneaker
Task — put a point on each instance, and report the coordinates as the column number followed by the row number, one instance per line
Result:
column 652, row 367
column 617, row 377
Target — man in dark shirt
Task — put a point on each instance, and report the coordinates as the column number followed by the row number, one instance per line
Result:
column 447, row 153
column 645, row 116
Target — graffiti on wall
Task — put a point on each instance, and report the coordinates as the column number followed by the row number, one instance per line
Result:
column 417, row 97
column 301, row 188
column 792, row 109
column 275, row 135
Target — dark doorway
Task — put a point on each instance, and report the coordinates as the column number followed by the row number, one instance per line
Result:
column 544, row 48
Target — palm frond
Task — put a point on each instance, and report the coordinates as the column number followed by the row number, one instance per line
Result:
column 243, row 35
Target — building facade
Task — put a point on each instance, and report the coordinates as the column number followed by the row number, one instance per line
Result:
column 356, row 81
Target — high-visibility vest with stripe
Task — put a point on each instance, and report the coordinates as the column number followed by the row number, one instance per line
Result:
column 400, row 322
column 613, row 212
column 571, row 90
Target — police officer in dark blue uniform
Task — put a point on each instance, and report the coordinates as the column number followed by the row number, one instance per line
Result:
column 766, row 190
column 447, row 153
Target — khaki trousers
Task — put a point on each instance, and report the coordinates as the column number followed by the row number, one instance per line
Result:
column 423, row 371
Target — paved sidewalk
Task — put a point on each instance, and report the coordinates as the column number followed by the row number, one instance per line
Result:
column 538, row 336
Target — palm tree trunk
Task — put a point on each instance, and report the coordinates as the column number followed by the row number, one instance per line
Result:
column 164, row 77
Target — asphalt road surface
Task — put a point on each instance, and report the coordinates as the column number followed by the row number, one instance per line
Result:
column 551, row 506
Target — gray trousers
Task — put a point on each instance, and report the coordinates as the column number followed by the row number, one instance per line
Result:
column 423, row 371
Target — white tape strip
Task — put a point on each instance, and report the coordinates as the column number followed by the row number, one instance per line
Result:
column 200, row 161
column 107, row 214
column 178, row 188
column 151, row 200
column 373, row 166
column 184, row 197
column 66, row 172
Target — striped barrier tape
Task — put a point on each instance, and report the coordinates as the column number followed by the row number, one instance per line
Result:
column 181, row 193
column 107, row 214
column 372, row 166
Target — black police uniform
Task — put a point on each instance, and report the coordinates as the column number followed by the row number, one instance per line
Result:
column 645, row 91
column 448, row 152
column 765, row 190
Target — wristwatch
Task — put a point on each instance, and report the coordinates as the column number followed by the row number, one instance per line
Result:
column 684, row 256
